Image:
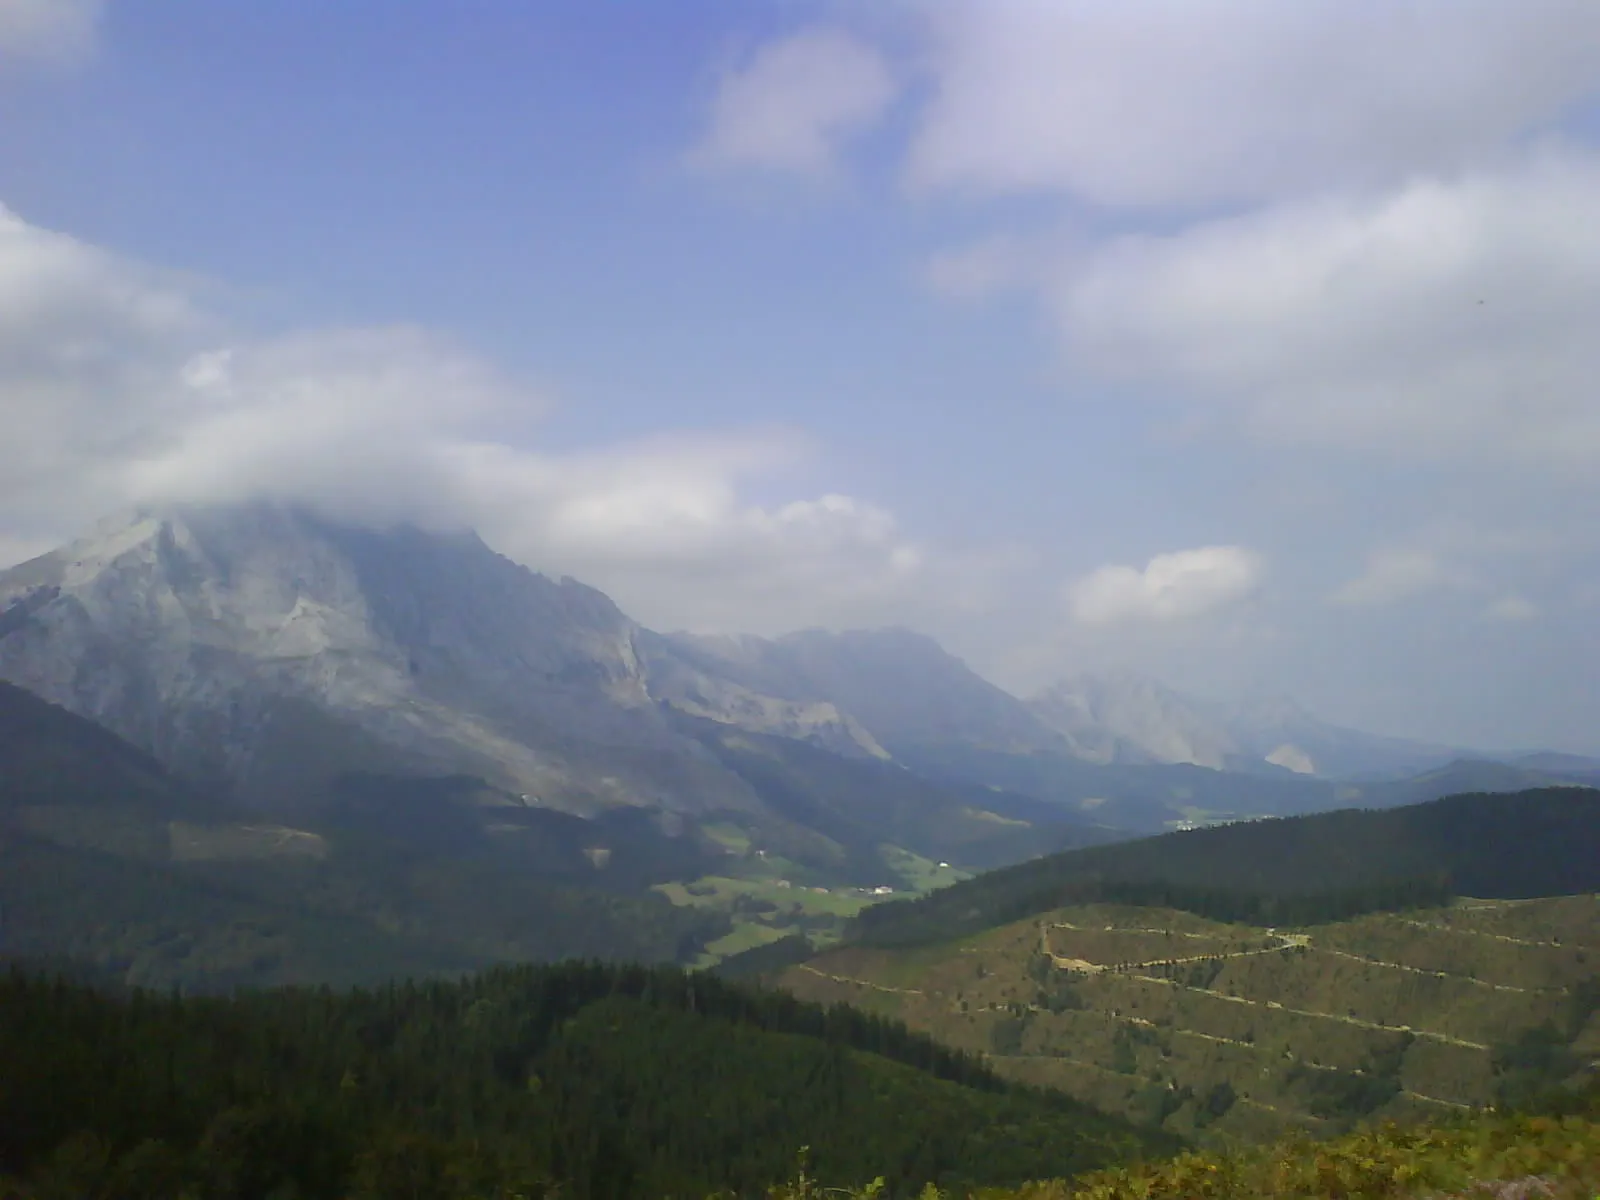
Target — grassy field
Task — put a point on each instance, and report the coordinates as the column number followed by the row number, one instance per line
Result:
column 1231, row 1033
column 920, row 874
column 725, row 892
column 766, row 903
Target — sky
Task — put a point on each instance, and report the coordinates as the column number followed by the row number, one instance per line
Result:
column 1253, row 344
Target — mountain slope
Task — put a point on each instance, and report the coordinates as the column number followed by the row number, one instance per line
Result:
column 269, row 653
column 900, row 687
column 859, row 805
column 107, row 859
column 1223, row 1031
column 1124, row 717
column 1154, row 797
column 1537, row 843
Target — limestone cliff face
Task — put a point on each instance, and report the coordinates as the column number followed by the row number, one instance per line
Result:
column 221, row 639
column 1122, row 717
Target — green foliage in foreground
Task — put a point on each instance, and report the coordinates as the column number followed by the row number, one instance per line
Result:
column 1488, row 1157
column 601, row 1081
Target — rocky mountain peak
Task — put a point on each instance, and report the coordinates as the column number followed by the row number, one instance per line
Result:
column 1126, row 717
column 190, row 631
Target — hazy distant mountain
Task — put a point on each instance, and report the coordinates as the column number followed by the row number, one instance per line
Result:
column 1577, row 765
column 904, row 689
column 1280, row 731
column 1123, row 717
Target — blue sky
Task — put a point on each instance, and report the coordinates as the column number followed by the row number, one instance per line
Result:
column 1245, row 343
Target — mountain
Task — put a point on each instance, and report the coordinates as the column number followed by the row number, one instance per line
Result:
column 1123, row 717
column 409, row 692
column 1155, row 797
column 1278, row 730
column 265, row 648
column 403, row 731
column 901, row 687
column 266, row 651
column 840, row 811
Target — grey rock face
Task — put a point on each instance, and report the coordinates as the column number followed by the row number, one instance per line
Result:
column 1124, row 717
column 682, row 675
column 215, row 637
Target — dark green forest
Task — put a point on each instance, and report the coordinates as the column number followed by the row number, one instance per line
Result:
column 608, row 1081
column 1290, row 871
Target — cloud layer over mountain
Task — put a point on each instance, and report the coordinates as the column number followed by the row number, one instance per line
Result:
column 122, row 388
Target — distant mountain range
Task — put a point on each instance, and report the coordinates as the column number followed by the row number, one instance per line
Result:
column 265, row 649
column 404, row 694
column 1124, row 717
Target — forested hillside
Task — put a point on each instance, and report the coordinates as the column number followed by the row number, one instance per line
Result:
column 1224, row 1032
column 609, row 1082
column 1295, row 870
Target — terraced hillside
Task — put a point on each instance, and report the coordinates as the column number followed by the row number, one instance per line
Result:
column 1230, row 1032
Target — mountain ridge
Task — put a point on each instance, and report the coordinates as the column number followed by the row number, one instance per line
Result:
column 264, row 649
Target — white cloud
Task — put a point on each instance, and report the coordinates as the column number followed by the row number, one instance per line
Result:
column 53, row 31
column 1392, row 575
column 116, row 389
column 1167, row 102
column 86, row 347
column 794, row 101
column 1185, row 583
column 1450, row 318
